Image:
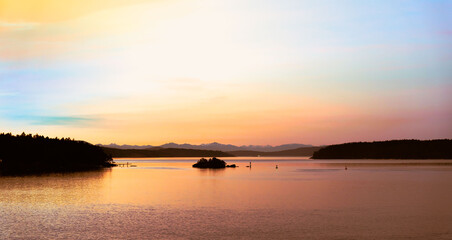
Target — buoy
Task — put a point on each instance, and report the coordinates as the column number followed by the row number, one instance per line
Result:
column 276, row 166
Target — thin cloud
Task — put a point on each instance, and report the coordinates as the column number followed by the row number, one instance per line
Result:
column 57, row 120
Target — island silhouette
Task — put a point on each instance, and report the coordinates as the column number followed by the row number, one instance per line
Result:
column 27, row 153
column 211, row 163
column 394, row 149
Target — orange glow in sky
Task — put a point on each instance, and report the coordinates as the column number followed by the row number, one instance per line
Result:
column 240, row 72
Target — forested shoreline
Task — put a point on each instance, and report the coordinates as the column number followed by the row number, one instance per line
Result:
column 27, row 153
column 394, row 149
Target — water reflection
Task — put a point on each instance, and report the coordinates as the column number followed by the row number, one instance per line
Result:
column 211, row 172
column 373, row 199
column 55, row 188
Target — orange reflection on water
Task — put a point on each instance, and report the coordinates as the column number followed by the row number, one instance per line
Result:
column 295, row 184
column 373, row 199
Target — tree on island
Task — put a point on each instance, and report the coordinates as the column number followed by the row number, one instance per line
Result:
column 28, row 153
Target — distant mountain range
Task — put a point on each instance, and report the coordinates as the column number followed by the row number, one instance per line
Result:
column 213, row 147
column 182, row 152
column 163, row 152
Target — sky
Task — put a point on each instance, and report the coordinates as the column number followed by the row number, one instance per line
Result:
column 236, row 71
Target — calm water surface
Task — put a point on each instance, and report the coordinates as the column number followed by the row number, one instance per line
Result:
column 168, row 199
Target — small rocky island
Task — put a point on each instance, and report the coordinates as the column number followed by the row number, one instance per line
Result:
column 212, row 163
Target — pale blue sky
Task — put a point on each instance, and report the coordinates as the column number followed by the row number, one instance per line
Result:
column 334, row 70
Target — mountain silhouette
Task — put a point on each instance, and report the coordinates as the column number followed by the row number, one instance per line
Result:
column 215, row 146
column 163, row 152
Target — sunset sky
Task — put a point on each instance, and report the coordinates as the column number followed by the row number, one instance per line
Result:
column 231, row 71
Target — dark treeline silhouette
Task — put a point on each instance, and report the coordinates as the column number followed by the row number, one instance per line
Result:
column 211, row 163
column 163, row 152
column 28, row 153
column 297, row 152
column 182, row 152
column 395, row 149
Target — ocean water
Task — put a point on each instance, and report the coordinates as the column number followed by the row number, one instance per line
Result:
column 168, row 199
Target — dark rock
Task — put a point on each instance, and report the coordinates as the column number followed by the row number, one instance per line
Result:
column 211, row 163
